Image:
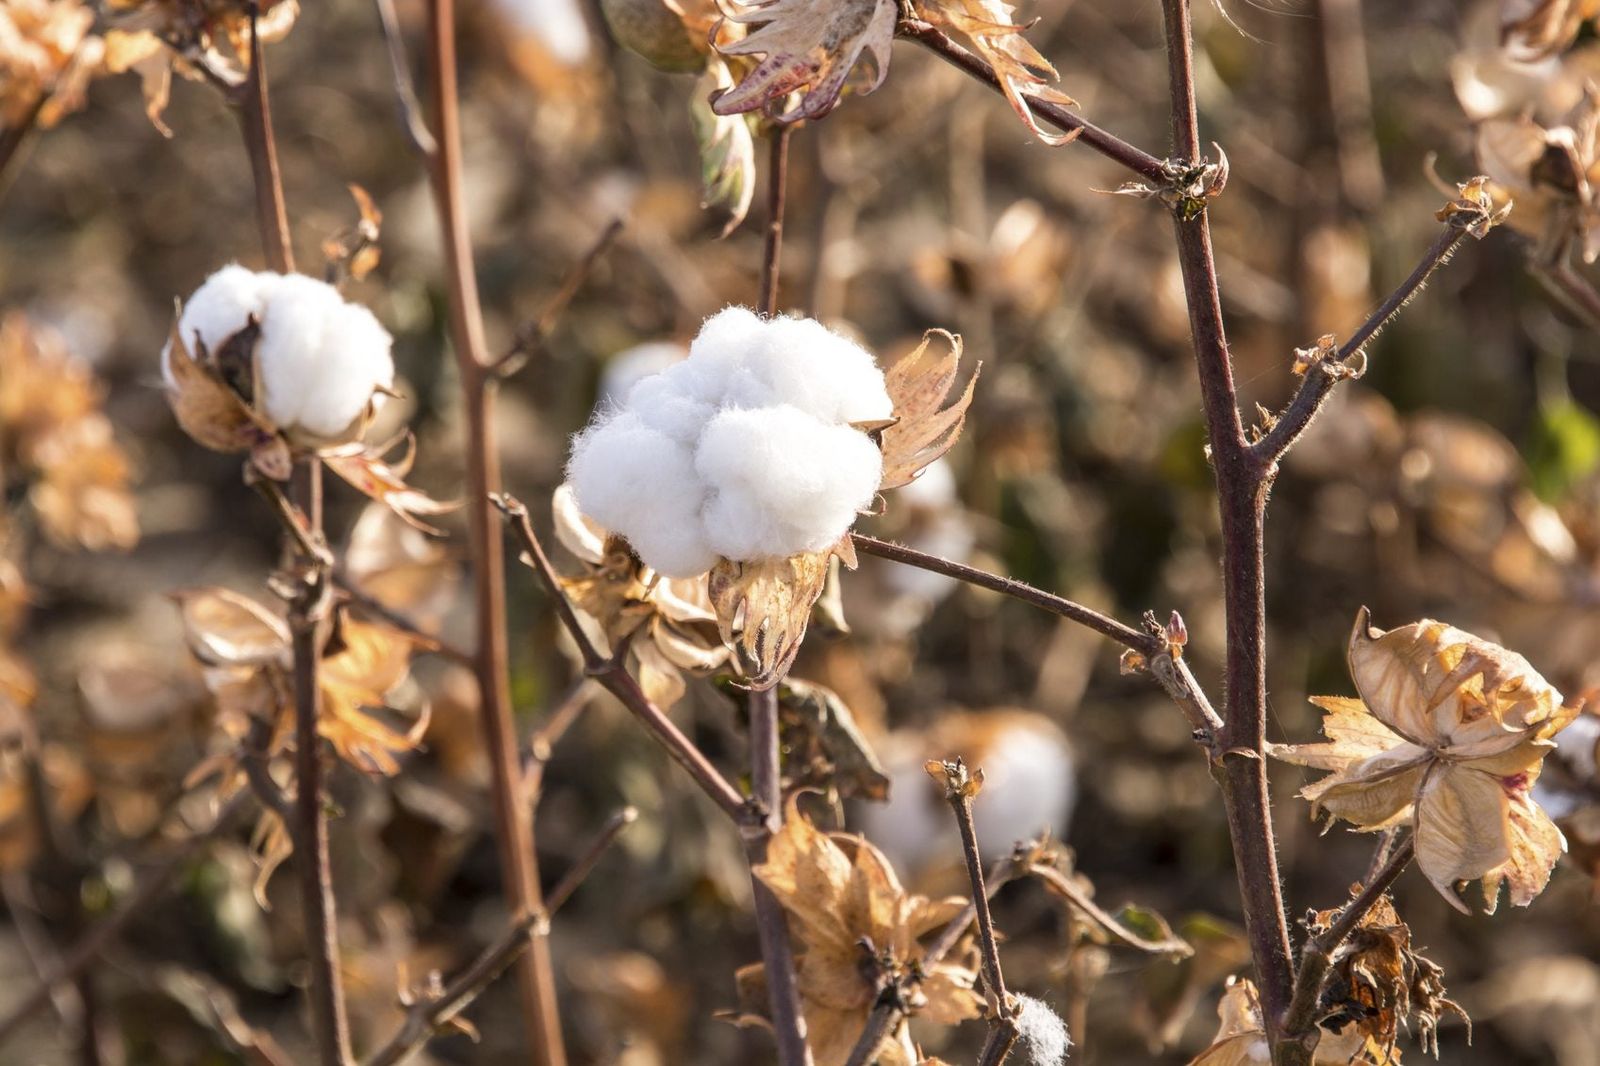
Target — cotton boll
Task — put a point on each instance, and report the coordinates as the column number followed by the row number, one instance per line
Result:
column 629, row 367
column 825, row 375
column 353, row 359
column 667, row 407
column 806, row 478
column 290, row 349
column 720, row 351
column 219, row 308
column 1042, row 1033
column 636, row 481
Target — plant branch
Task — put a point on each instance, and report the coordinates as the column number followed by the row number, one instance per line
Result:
column 104, row 933
column 255, row 118
column 1243, row 482
column 405, row 93
column 535, row 336
column 1171, row 671
column 777, row 192
column 513, row 818
column 1142, row 163
column 430, row 1012
column 1321, row 377
column 1062, row 886
column 555, row 725
column 1300, row 1020
column 960, row 788
column 614, row 677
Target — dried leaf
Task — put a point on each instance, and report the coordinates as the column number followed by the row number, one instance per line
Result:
column 353, row 250
column 809, row 46
column 924, row 429
column 824, row 744
column 385, row 482
column 224, row 628
column 1024, row 74
column 727, row 149
column 374, row 660
column 211, row 412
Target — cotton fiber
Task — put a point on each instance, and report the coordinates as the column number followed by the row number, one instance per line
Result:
column 319, row 360
column 1042, row 1033
column 744, row 450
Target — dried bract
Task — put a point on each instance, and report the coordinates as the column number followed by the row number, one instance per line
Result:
column 811, row 47
column 1449, row 735
column 47, row 56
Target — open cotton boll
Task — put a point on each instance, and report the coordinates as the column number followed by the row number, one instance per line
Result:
column 1042, row 1034
column 319, row 360
column 742, row 451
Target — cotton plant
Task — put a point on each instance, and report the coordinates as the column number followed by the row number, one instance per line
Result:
column 748, row 462
column 282, row 366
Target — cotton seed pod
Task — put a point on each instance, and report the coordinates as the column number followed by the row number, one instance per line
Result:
column 257, row 357
column 655, row 32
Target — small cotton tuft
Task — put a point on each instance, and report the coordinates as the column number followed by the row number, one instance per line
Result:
column 320, row 361
column 744, row 450
column 1042, row 1033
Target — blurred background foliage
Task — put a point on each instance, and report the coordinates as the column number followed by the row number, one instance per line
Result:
column 1460, row 479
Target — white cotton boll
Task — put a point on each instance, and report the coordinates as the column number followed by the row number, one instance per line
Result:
column 719, row 352
column 820, row 372
column 290, row 351
column 666, row 407
column 805, row 477
column 636, row 481
column 353, row 359
column 1042, row 1034
column 219, row 308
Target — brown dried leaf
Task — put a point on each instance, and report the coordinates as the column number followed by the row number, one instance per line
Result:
column 763, row 608
column 373, row 661
column 210, row 411
column 353, row 251
column 809, row 46
column 384, row 482
column 823, row 742
column 224, row 628
column 1536, row 29
column 924, row 429
column 1024, row 74
column 400, row 566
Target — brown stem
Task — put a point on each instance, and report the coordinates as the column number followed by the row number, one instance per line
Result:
column 1242, row 485
column 1321, row 378
column 960, row 789
column 880, row 1023
column 1171, row 671
column 430, row 1012
column 1142, row 163
column 15, row 136
column 534, row 337
column 513, row 819
column 555, row 725
column 405, row 93
column 614, row 677
column 1300, row 1020
column 255, row 117
column 777, row 191
column 100, row 936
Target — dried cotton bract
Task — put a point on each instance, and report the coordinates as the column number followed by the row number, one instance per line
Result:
column 744, row 451
column 1449, row 735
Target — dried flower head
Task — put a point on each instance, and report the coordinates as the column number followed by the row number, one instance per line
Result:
column 862, row 938
column 47, row 56
column 1449, row 735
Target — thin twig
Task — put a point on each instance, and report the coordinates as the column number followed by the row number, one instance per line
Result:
column 1573, row 290
column 880, row 1023
column 960, row 788
column 1142, row 163
column 535, row 335
column 103, row 933
column 1321, row 377
column 513, row 818
column 612, row 674
column 1063, row 887
column 1171, row 671
column 405, row 93
column 15, row 136
column 555, row 725
column 1299, row 1021
column 430, row 1012
column 255, row 118
column 777, row 192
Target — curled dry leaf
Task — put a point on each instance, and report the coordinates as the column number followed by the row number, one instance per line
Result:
column 370, row 474
column 47, row 56
column 216, row 417
column 1024, row 74
column 809, row 46
column 861, row 934
column 353, row 251
column 1449, row 735
column 1377, row 982
column 1536, row 29
column 924, row 428
column 823, row 746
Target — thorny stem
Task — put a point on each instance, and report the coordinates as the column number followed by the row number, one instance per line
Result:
column 1142, row 163
column 612, row 674
column 1300, row 1020
column 430, row 1012
column 1243, row 481
column 1172, row 672
column 1322, row 377
column 513, row 819
column 104, row 933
